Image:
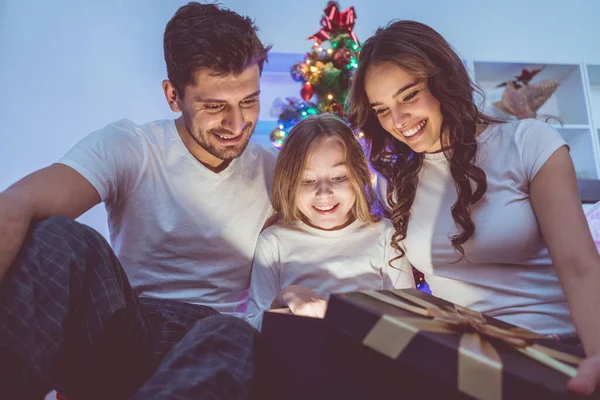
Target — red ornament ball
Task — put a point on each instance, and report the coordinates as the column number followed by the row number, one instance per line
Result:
column 307, row 92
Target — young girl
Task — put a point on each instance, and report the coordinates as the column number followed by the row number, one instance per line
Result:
column 488, row 210
column 327, row 239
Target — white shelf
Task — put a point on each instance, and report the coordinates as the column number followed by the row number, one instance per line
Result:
column 276, row 82
column 569, row 104
column 594, row 93
column 569, row 126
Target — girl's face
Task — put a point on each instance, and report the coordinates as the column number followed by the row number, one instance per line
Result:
column 326, row 195
column 405, row 107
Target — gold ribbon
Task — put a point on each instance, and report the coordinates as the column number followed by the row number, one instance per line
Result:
column 479, row 365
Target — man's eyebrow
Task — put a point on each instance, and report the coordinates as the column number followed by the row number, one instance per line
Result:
column 252, row 95
column 209, row 100
column 398, row 92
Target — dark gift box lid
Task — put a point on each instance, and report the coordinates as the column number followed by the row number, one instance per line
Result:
column 390, row 323
column 300, row 358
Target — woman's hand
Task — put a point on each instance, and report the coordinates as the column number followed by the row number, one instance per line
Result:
column 302, row 301
column 588, row 377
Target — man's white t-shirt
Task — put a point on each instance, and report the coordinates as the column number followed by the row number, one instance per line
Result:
column 353, row 258
column 507, row 271
column 181, row 231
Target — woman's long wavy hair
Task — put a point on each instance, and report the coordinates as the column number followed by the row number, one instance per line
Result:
column 423, row 53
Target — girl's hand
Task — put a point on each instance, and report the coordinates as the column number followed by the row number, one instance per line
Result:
column 302, row 301
column 588, row 377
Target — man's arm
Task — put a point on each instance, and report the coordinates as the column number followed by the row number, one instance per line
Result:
column 55, row 190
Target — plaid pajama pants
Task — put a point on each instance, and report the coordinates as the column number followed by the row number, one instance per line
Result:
column 70, row 321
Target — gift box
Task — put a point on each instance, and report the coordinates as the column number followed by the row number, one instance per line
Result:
column 300, row 358
column 292, row 361
column 470, row 354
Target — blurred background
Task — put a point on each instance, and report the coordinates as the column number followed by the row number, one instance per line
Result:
column 69, row 67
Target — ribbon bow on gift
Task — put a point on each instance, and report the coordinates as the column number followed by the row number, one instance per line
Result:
column 335, row 21
column 479, row 365
column 465, row 319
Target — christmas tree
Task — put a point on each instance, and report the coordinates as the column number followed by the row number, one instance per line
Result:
column 325, row 73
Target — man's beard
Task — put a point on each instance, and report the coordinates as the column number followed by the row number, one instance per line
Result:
column 225, row 153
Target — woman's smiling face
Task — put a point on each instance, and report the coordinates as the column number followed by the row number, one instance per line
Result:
column 405, row 107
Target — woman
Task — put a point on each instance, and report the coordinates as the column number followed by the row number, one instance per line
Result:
column 488, row 210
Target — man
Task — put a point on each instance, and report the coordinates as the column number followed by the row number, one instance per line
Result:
column 186, row 200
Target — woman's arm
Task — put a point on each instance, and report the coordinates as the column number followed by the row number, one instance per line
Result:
column 555, row 198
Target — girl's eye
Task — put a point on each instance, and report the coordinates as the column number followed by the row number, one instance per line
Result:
column 380, row 111
column 308, row 181
column 411, row 96
column 339, row 178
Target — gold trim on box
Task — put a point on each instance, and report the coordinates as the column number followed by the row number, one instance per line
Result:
column 479, row 365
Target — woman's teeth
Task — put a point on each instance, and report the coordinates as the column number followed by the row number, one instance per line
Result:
column 413, row 131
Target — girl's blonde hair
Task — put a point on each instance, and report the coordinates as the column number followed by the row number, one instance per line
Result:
column 292, row 162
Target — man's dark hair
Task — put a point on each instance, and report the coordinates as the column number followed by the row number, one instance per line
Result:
column 213, row 37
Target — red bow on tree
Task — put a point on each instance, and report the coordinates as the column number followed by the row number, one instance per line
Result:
column 335, row 21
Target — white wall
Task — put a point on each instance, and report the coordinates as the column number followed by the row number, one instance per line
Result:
column 508, row 30
column 70, row 67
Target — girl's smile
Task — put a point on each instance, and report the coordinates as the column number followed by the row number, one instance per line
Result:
column 326, row 195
